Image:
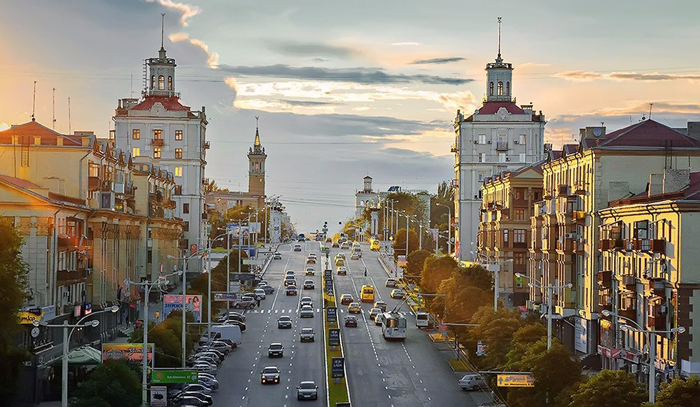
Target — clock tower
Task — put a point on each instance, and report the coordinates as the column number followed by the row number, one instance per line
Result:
column 256, row 168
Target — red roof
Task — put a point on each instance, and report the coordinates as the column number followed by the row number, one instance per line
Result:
column 19, row 182
column 27, row 131
column 492, row 108
column 647, row 133
column 169, row 103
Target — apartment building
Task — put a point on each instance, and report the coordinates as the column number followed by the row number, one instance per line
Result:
column 508, row 201
column 650, row 276
column 601, row 168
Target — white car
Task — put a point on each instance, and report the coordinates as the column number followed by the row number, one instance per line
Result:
column 306, row 312
column 471, row 381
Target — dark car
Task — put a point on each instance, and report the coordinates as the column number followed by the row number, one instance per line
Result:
column 284, row 322
column 351, row 321
column 307, row 390
column 270, row 374
column 291, row 290
column 275, row 350
column 182, row 400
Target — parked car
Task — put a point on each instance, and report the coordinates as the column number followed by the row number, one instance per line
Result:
column 284, row 322
column 244, row 302
column 307, row 390
column 275, row 350
column 183, row 400
column 471, row 381
column 268, row 289
column 306, row 312
column 307, row 334
column 270, row 374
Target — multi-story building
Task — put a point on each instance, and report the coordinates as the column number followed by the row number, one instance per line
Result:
column 601, row 168
column 366, row 197
column 158, row 129
column 508, row 201
column 650, row 275
column 498, row 137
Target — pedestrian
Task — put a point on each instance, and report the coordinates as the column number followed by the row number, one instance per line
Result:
column 365, row 271
column 258, row 300
column 157, row 315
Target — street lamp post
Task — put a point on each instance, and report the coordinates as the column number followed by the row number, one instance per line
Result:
column 449, row 227
column 550, row 288
column 66, row 347
column 184, row 304
column 651, row 342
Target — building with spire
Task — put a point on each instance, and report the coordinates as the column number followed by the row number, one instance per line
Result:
column 158, row 129
column 499, row 136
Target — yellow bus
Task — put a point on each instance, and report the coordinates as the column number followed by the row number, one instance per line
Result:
column 374, row 245
column 367, row 294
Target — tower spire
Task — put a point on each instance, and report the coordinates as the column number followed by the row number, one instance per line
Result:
column 499, row 39
column 257, row 134
column 162, row 29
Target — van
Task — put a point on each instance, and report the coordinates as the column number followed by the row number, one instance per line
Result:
column 422, row 319
column 230, row 332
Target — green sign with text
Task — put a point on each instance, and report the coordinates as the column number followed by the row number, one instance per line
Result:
column 174, row 376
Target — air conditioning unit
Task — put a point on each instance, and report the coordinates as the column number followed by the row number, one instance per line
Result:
column 516, row 142
column 507, row 158
column 107, row 200
column 571, row 236
column 476, row 141
column 489, row 141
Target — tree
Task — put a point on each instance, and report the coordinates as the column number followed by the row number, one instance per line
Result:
column 679, row 393
column 400, row 242
column 13, row 286
column 554, row 371
column 113, row 384
column 610, row 388
column 416, row 260
column 523, row 339
column 436, row 269
column 495, row 330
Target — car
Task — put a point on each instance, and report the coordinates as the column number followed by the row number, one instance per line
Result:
column 284, row 322
column 290, row 280
column 391, row 282
column 344, row 246
column 183, row 400
column 231, row 316
column 212, row 360
column 297, row 247
column 307, row 390
column 339, row 262
column 335, row 245
column 275, row 350
column 197, row 387
column 355, row 256
column 234, row 322
column 268, row 289
column 471, row 381
column 381, row 305
column 378, row 319
column 291, row 290
column 244, row 302
column 307, row 334
column 306, row 301
column 206, row 398
column 342, row 271
column 306, row 311
column 397, row 293
column 270, row 374
column 220, row 346
column 288, row 273
column 231, row 343
column 351, row 321
column 277, row 256
column 217, row 356
column 259, row 294
column 374, row 312
column 310, row 271
column 354, row 308
column 205, row 368
column 310, row 260
column 309, row 285
column 312, row 254
column 346, row 299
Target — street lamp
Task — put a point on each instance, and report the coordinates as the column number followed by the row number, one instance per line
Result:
column 184, row 302
column 66, row 347
column 148, row 285
column 550, row 288
column 651, row 342
column 449, row 227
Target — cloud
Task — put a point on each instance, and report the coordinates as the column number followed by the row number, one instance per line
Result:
column 437, row 61
column 587, row 76
column 310, row 103
column 4, row 126
column 405, row 43
column 186, row 11
column 356, row 75
column 177, row 37
column 312, row 49
column 212, row 57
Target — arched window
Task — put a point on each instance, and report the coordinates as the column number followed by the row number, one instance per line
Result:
column 508, row 88
column 170, row 83
column 161, row 82
column 491, row 89
column 500, row 88
column 153, row 81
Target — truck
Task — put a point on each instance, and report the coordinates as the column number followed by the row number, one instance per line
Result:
column 230, row 332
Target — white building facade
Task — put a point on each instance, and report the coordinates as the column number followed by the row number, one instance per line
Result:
column 158, row 129
column 499, row 136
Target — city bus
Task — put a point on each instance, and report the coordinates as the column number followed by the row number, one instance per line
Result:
column 393, row 326
column 374, row 245
column 422, row 319
column 367, row 294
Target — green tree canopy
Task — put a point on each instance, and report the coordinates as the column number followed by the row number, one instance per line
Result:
column 400, row 242
column 523, row 339
column 416, row 260
column 436, row 269
column 679, row 393
column 113, row 384
column 610, row 388
column 495, row 331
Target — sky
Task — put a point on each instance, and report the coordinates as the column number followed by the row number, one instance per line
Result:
column 348, row 89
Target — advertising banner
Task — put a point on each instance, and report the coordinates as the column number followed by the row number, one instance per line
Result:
column 159, row 396
column 338, row 367
column 173, row 302
column 333, row 337
column 331, row 314
column 130, row 351
column 515, row 380
column 225, row 297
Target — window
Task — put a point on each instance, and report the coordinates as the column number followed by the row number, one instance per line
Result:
column 642, row 229
column 519, row 235
column 500, row 88
column 153, row 81
column 136, row 134
column 186, row 227
column 178, row 153
column 522, row 157
column 170, row 83
column 93, row 170
column 149, row 256
column 135, row 152
column 157, row 134
column 482, row 157
column 178, row 188
column 185, row 208
column 507, row 88
column 491, row 89
column 178, row 173
column 481, row 177
column 519, row 214
column 482, row 138
column 505, row 235
column 501, row 157
column 161, row 82
column 523, row 139
column 156, row 152
column 178, row 135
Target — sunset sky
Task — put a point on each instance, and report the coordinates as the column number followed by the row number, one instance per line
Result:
column 354, row 88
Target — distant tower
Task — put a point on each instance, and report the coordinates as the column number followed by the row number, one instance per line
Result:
column 368, row 184
column 256, row 167
column 499, row 76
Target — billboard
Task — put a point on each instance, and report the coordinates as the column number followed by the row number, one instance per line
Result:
column 174, row 302
column 515, row 380
column 129, row 351
column 168, row 376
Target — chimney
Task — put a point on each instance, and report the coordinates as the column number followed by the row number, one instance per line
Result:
column 656, row 184
column 675, row 180
column 694, row 130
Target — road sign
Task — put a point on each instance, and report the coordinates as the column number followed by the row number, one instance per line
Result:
column 515, row 380
column 193, row 249
column 159, row 396
column 167, row 376
column 225, row 297
column 331, row 314
column 333, row 337
column 242, row 276
column 338, row 367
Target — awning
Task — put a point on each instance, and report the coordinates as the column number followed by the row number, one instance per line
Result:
column 82, row 356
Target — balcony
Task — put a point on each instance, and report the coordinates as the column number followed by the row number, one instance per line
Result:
column 650, row 245
column 579, row 247
column 94, row 183
column 502, row 146
column 158, row 142
column 565, row 245
column 106, row 185
column 129, row 189
column 580, row 217
column 629, row 281
column 156, row 197
column 605, row 278
column 563, row 190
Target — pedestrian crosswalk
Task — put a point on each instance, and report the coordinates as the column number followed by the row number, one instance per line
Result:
column 288, row 311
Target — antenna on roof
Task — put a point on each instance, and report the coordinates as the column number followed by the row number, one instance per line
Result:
column 69, row 124
column 162, row 29
column 53, row 110
column 650, row 106
column 34, row 101
column 499, row 37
